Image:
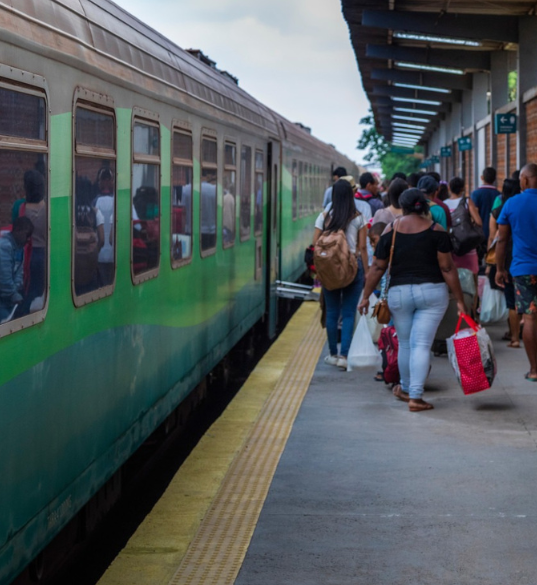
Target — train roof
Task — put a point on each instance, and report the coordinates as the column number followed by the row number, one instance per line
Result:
column 103, row 29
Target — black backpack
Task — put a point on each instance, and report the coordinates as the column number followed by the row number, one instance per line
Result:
column 465, row 234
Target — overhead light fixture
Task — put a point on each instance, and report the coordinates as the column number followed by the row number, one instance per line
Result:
column 407, row 131
column 451, row 70
column 422, row 87
column 415, row 111
column 416, row 101
column 401, row 125
column 410, row 137
column 404, row 142
column 435, row 39
column 412, row 118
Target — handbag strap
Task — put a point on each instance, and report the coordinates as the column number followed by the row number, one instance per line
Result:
column 468, row 320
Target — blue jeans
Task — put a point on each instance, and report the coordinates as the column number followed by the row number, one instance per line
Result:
column 344, row 302
column 417, row 310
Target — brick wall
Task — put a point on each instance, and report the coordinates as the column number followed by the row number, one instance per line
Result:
column 501, row 154
column 531, row 125
column 512, row 153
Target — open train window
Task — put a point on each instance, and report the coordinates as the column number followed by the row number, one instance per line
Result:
column 209, row 181
column 94, row 198
column 229, row 203
column 182, row 170
column 246, row 192
column 294, row 188
column 24, row 203
column 258, row 202
column 145, row 192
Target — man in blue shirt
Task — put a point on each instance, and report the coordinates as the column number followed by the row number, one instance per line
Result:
column 519, row 220
column 485, row 196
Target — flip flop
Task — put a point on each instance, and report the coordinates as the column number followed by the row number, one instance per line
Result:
column 420, row 406
column 529, row 378
column 379, row 377
column 514, row 344
column 399, row 394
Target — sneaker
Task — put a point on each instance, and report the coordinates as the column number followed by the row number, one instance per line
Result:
column 331, row 360
column 342, row 362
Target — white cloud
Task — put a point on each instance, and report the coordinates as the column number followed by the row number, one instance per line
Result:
column 295, row 56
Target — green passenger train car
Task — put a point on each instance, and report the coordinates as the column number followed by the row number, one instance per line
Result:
column 164, row 204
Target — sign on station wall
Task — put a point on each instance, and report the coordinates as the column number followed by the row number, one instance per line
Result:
column 505, row 123
column 465, row 143
column 445, row 151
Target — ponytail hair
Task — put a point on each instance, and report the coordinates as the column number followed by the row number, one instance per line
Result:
column 413, row 201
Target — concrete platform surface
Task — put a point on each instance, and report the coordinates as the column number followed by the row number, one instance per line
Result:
column 367, row 492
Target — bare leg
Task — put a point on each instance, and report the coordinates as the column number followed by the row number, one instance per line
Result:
column 530, row 342
column 514, row 327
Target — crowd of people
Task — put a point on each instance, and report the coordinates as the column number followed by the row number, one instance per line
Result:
column 422, row 232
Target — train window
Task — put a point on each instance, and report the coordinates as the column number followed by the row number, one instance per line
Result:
column 230, row 194
column 258, row 206
column 246, row 191
column 182, row 198
column 145, row 200
column 24, row 207
column 209, row 171
column 294, row 188
column 94, row 236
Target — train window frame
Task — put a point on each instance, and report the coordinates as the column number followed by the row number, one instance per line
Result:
column 15, row 79
column 148, row 118
column 101, row 104
column 211, row 135
column 228, row 141
column 259, row 152
column 184, row 128
column 246, row 236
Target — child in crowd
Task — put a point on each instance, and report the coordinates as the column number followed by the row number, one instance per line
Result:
column 375, row 231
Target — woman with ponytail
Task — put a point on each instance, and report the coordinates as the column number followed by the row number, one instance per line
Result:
column 421, row 275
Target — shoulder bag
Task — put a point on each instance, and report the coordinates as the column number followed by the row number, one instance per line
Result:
column 381, row 311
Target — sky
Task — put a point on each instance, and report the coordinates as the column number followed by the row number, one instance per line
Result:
column 295, row 56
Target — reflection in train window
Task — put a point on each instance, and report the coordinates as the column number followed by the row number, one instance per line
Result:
column 230, row 194
column 94, row 243
column 258, row 204
column 23, row 203
column 208, row 194
column 246, row 191
column 181, row 198
column 145, row 199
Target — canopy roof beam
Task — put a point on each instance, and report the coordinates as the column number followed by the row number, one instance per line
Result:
column 501, row 28
column 440, row 80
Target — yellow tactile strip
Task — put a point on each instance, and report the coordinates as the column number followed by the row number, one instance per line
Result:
column 216, row 553
column 197, row 492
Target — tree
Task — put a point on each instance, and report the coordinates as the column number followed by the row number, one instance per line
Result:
column 380, row 151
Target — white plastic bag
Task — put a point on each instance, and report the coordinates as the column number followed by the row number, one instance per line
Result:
column 374, row 326
column 363, row 353
column 493, row 306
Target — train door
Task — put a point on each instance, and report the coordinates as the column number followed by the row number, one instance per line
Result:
column 272, row 263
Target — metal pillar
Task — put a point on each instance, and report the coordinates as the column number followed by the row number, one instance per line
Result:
column 527, row 77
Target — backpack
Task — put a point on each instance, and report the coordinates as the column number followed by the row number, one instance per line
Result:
column 335, row 264
column 389, row 349
column 465, row 235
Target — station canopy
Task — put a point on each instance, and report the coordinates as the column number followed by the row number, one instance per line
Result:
column 417, row 56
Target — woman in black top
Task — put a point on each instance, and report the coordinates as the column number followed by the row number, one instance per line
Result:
column 421, row 272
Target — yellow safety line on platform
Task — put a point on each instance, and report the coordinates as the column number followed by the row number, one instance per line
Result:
column 159, row 546
column 216, row 553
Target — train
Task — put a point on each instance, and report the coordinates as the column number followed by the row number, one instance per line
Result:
column 165, row 204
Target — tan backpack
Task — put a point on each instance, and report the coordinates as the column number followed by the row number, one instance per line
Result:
column 335, row 264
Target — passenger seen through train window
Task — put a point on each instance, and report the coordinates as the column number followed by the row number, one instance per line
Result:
column 23, row 193
column 182, row 198
column 208, row 194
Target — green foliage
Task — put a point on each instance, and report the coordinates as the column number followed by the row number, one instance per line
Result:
column 379, row 151
column 512, row 79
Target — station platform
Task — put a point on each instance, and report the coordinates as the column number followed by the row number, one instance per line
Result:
column 314, row 475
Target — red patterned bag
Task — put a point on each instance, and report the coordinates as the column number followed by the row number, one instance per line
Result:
column 471, row 354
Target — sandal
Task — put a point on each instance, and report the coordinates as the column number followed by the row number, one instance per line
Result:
column 397, row 391
column 531, row 378
column 515, row 344
column 379, row 377
column 419, row 405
